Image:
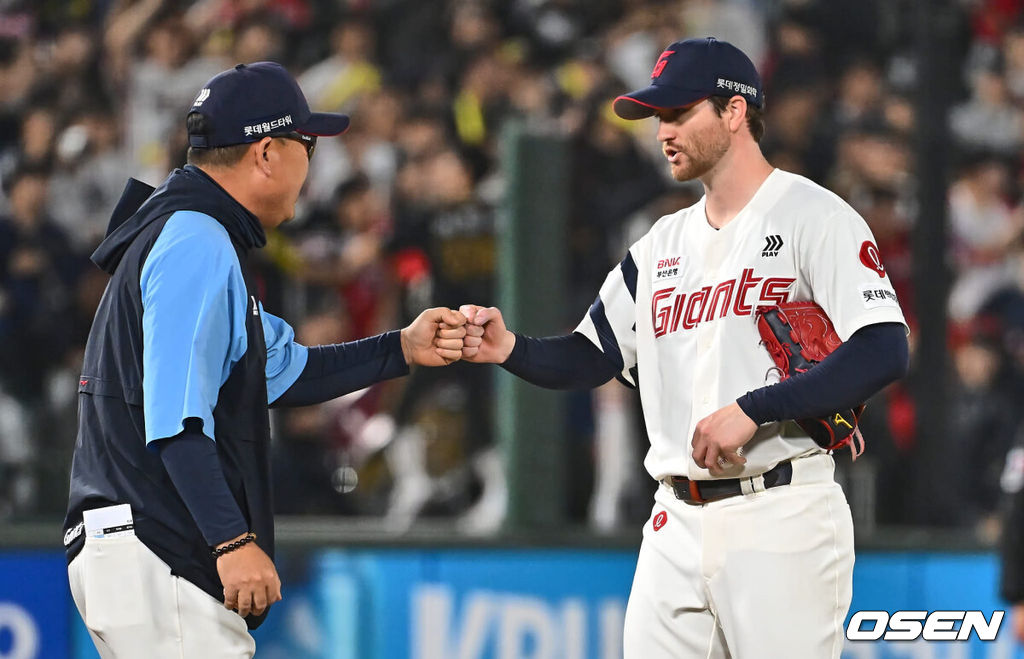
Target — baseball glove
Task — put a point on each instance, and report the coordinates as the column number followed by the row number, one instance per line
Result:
column 798, row 335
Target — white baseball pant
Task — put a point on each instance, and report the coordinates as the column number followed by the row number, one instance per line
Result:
column 767, row 574
column 134, row 607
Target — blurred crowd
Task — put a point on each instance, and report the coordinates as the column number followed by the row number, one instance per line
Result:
column 400, row 213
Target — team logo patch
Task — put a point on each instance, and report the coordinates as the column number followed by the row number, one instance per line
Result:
column 659, row 66
column 659, row 520
column 872, row 258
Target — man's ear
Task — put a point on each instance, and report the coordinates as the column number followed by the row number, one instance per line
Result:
column 261, row 154
column 737, row 110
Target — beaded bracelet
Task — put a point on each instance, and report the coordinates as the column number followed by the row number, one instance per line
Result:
column 232, row 546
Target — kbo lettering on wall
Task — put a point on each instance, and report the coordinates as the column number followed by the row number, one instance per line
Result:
column 483, row 624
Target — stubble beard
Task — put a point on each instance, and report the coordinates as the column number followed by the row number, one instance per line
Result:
column 702, row 153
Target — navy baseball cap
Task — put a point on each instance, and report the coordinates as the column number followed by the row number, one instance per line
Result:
column 689, row 71
column 251, row 101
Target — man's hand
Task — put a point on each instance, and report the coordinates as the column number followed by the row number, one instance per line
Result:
column 487, row 340
column 250, row 579
column 434, row 338
column 718, row 439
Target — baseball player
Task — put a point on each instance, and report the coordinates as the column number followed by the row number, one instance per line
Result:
column 169, row 531
column 748, row 551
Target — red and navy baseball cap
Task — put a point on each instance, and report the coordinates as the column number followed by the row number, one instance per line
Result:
column 250, row 102
column 689, row 71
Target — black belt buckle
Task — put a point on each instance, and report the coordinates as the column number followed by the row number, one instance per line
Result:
column 686, row 490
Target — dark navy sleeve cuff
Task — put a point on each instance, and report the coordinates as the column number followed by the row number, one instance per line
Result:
column 560, row 362
column 873, row 357
column 337, row 369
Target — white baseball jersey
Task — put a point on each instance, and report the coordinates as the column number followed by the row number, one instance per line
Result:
column 678, row 312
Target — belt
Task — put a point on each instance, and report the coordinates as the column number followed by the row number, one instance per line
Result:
column 706, row 491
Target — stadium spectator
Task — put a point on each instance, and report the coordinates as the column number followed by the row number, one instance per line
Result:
column 989, row 119
column 983, row 431
column 38, row 272
column 986, row 229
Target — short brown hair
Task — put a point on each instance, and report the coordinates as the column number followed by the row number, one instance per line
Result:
column 755, row 115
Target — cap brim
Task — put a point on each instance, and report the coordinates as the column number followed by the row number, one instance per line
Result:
column 646, row 102
column 324, row 124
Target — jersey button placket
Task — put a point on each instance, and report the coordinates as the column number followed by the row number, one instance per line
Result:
column 705, row 341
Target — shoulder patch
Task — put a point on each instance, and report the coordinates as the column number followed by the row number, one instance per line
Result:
column 872, row 258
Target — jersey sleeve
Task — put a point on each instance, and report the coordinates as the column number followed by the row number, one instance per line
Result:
column 285, row 357
column 846, row 273
column 610, row 324
column 193, row 322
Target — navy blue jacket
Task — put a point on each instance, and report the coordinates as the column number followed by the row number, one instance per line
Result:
column 111, row 462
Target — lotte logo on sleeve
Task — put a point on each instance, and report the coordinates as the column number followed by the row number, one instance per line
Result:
column 872, row 258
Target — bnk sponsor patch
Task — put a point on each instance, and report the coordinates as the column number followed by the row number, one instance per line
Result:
column 668, row 268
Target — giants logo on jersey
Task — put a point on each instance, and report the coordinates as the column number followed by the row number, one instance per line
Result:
column 671, row 309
